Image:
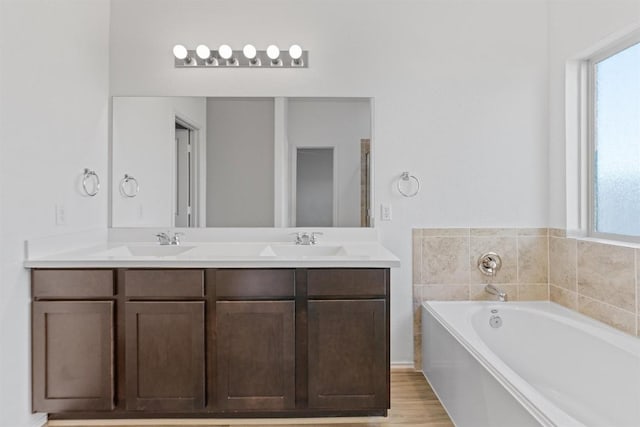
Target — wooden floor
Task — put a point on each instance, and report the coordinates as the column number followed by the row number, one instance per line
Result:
column 413, row 403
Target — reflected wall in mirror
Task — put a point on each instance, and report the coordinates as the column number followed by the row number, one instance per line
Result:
column 241, row 162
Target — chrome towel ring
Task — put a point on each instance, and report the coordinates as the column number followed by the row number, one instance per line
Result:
column 125, row 187
column 90, row 175
column 405, row 179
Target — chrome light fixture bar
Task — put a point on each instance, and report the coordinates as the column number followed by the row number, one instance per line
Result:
column 248, row 57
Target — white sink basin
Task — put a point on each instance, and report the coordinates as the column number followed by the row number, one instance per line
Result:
column 298, row 251
column 146, row 250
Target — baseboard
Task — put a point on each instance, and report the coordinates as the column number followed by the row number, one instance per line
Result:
column 39, row 420
column 222, row 422
column 402, row 366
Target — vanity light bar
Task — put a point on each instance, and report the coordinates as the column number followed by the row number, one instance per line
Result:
column 248, row 57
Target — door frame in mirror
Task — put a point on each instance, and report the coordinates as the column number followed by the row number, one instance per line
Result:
column 199, row 174
column 293, row 180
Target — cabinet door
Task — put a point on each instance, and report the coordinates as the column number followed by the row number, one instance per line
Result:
column 347, row 354
column 72, row 356
column 165, row 356
column 256, row 355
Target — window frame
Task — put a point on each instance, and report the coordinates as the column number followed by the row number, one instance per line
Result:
column 589, row 71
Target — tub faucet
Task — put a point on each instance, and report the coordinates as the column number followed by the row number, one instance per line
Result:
column 502, row 295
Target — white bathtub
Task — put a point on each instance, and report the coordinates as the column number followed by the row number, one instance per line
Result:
column 546, row 365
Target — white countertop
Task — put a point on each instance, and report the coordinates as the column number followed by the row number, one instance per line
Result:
column 207, row 248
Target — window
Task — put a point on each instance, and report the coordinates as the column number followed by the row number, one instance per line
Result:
column 615, row 141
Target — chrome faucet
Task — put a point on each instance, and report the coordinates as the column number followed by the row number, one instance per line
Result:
column 314, row 237
column 168, row 239
column 305, row 238
column 502, row 295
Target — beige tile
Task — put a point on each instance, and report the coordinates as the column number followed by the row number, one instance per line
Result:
column 562, row 263
column 637, row 262
column 533, row 259
column 417, row 351
column 505, row 247
column 477, row 292
column 493, row 232
column 445, row 292
column 533, row 292
column 557, row 232
column 620, row 319
column 417, row 294
column 563, row 297
column 417, row 332
column 445, row 232
column 417, row 320
column 607, row 273
column 533, row 231
column 416, row 256
column 445, row 260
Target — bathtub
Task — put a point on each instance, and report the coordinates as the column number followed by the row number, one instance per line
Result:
column 545, row 366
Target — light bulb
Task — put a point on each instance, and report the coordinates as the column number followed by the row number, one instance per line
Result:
column 225, row 51
column 203, row 51
column 249, row 51
column 295, row 51
column 180, row 51
column 273, row 52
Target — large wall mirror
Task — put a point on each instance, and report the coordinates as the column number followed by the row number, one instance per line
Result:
column 241, row 162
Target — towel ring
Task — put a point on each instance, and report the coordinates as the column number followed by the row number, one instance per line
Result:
column 405, row 177
column 123, row 186
column 90, row 174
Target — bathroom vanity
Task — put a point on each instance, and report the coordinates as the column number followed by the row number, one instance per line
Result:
column 196, row 334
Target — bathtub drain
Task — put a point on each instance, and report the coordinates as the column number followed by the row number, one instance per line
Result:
column 495, row 321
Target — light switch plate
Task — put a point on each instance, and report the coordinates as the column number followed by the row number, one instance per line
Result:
column 61, row 215
column 386, row 213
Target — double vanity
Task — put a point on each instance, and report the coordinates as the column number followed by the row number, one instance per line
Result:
column 254, row 326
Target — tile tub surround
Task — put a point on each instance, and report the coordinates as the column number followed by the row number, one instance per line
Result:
column 445, row 267
column 598, row 279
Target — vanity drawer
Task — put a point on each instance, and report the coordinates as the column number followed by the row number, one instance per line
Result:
column 255, row 283
column 163, row 283
column 72, row 284
column 346, row 282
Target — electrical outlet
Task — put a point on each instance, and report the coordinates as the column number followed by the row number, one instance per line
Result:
column 386, row 213
column 61, row 215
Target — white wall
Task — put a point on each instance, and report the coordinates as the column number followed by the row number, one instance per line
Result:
column 144, row 146
column 575, row 28
column 340, row 124
column 460, row 91
column 240, row 162
column 54, row 90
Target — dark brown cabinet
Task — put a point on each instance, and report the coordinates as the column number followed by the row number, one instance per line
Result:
column 165, row 356
column 73, row 341
column 255, row 347
column 349, row 336
column 348, row 327
column 256, row 355
column 164, row 339
column 222, row 342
